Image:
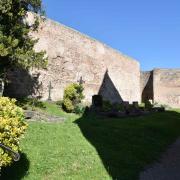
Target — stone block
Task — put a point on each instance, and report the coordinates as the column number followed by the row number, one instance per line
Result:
column 135, row 104
column 97, row 101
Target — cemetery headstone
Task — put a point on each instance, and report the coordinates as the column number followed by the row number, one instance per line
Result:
column 126, row 106
column 49, row 89
column 135, row 104
column 97, row 101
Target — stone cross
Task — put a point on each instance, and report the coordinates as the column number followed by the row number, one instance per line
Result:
column 50, row 88
column 81, row 81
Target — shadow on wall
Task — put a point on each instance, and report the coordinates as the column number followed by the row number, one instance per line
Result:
column 148, row 92
column 17, row 170
column 127, row 145
column 108, row 90
column 22, row 84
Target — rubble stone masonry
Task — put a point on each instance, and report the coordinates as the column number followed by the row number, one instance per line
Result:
column 73, row 55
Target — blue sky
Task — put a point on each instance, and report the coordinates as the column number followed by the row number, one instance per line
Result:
column 147, row 30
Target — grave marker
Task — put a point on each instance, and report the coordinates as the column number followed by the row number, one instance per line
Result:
column 49, row 89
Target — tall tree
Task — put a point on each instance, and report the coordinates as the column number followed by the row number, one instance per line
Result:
column 16, row 46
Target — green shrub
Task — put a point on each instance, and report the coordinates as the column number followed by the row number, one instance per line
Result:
column 119, row 107
column 148, row 105
column 12, row 126
column 107, row 106
column 26, row 103
column 68, row 105
column 59, row 103
column 79, row 109
column 73, row 96
column 142, row 105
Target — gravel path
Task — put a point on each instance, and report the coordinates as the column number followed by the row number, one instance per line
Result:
column 168, row 168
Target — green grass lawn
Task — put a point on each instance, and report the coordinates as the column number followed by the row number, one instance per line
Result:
column 90, row 147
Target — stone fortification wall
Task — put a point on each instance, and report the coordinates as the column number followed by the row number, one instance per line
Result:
column 73, row 55
column 147, row 86
column 167, row 86
column 105, row 71
column 162, row 86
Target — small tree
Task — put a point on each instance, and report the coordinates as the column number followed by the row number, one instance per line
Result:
column 73, row 95
column 16, row 51
column 16, row 46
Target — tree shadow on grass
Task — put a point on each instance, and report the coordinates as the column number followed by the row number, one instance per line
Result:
column 126, row 146
column 17, row 170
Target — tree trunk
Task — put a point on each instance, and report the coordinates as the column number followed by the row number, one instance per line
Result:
column 1, row 87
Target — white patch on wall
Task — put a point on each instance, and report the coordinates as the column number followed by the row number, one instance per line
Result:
column 59, row 47
column 178, row 100
column 54, row 49
column 42, row 45
column 100, row 49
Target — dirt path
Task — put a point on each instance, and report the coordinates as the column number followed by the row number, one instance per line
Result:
column 168, row 168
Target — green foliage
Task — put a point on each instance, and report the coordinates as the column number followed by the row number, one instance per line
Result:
column 73, row 96
column 107, row 106
column 54, row 109
column 142, row 105
column 12, row 126
column 119, row 107
column 59, row 103
column 68, row 105
column 148, row 105
column 26, row 103
column 79, row 109
column 16, row 46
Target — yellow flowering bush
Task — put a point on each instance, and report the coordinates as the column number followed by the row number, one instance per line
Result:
column 12, row 126
column 73, row 95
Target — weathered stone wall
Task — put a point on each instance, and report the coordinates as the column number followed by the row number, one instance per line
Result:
column 147, row 86
column 105, row 71
column 167, row 86
column 73, row 55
